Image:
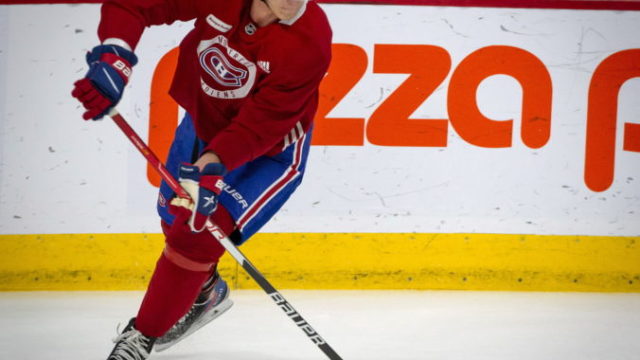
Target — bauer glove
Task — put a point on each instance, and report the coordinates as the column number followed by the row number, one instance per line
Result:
column 204, row 187
column 102, row 87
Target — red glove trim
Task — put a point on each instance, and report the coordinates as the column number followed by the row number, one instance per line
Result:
column 122, row 66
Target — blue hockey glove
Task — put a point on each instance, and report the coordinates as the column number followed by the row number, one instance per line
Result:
column 102, row 87
column 204, row 187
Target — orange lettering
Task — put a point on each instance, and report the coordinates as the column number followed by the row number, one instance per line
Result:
column 535, row 80
column 348, row 65
column 605, row 85
column 163, row 112
column 390, row 125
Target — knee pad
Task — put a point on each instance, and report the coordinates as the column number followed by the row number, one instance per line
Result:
column 198, row 251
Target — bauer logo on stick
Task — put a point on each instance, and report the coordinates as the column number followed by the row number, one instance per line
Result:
column 297, row 318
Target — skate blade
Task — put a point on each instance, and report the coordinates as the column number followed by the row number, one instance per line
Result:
column 220, row 309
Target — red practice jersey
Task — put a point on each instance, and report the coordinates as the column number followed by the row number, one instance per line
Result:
column 250, row 90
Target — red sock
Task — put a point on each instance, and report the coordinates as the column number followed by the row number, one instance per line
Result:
column 171, row 293
column 173, row 289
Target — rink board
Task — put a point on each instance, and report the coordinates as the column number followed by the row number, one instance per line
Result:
column 394, row 150
column 339, row 261
column 402, row 191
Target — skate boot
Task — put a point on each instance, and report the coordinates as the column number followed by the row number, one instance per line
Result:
column 212, row 302
column 131, row 344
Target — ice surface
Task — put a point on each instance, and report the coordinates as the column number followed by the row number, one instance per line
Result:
column 358, row 325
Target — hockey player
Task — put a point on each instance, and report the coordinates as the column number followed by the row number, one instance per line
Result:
column 247, row 76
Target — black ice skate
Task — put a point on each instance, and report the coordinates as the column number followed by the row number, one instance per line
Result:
column 212, row 302
column 131, row 344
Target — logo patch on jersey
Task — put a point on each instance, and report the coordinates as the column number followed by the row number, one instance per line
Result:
column 221, row 70
column 218, row 24
column 227, row 74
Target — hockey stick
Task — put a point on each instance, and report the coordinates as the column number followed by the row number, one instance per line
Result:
column 293, row 314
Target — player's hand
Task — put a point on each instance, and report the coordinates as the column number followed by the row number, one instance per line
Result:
column 204, row 187
column 102, row 87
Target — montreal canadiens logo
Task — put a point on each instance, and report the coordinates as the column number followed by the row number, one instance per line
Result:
column 227, row 73
column 216, row 64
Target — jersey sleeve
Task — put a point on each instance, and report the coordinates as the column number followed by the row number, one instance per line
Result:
column 126, row 19
column 289, row 96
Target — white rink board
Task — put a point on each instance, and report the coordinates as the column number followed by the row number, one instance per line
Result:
column 59, row 174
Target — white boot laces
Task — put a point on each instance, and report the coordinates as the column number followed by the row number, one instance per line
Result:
column 131, row 346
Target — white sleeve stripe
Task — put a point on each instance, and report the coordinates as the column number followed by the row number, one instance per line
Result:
column 294, row 135
column 299, row 127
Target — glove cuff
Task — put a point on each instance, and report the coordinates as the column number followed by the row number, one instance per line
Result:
column 96, row 54
column 214, row 169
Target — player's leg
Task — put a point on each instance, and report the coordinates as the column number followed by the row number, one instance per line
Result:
column 184, row 265
column 212, row 301
column 180, row 272
column 177, row 280
column 253, row 193
column 256, row 190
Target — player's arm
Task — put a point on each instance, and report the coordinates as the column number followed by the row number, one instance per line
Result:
column 207, row 157
column 125, row 20
column 111, row 62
